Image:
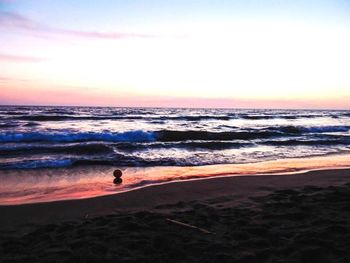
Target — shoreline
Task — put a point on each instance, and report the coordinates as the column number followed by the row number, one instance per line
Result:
column 51, row 185
column 147, row 198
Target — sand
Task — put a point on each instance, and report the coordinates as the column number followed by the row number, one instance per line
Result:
column 302, row 217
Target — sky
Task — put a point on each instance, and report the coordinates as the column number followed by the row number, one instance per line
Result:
column 184, row 53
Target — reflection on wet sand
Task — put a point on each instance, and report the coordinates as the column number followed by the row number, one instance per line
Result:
column 31, row 186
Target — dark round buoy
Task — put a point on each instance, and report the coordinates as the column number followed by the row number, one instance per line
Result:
column 117, row 181
column 117, row 173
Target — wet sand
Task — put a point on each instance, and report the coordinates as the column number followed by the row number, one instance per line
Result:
column 302, row 217
column 47, row 185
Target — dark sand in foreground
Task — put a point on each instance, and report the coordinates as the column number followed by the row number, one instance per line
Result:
column 266, row 218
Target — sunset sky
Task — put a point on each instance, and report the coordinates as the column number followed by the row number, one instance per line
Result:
column 247, row 53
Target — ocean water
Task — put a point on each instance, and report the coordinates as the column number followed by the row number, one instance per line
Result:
column 52, row 137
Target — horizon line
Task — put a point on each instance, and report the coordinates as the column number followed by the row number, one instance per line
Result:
column 164, row 107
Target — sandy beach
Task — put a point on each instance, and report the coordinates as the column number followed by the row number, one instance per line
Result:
column 302, row 217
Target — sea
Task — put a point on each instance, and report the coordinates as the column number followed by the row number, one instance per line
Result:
column 49, row 137
column 38, row 138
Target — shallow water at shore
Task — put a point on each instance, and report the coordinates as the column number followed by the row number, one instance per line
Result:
column 45, row 185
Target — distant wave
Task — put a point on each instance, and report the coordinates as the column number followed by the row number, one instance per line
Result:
column 313, row 129
column 66, row 116
column 110, row 117
column 321, row 129
column 166, row 135
column 77, row 148
column 8, row 125
column 294, row 142
column 133, row 136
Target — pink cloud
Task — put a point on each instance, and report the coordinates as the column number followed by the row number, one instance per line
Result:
column 13, row 20
column 15, row 58
column 16, row 21
column 101, row 34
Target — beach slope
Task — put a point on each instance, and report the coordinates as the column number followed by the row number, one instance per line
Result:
column 302, row 217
